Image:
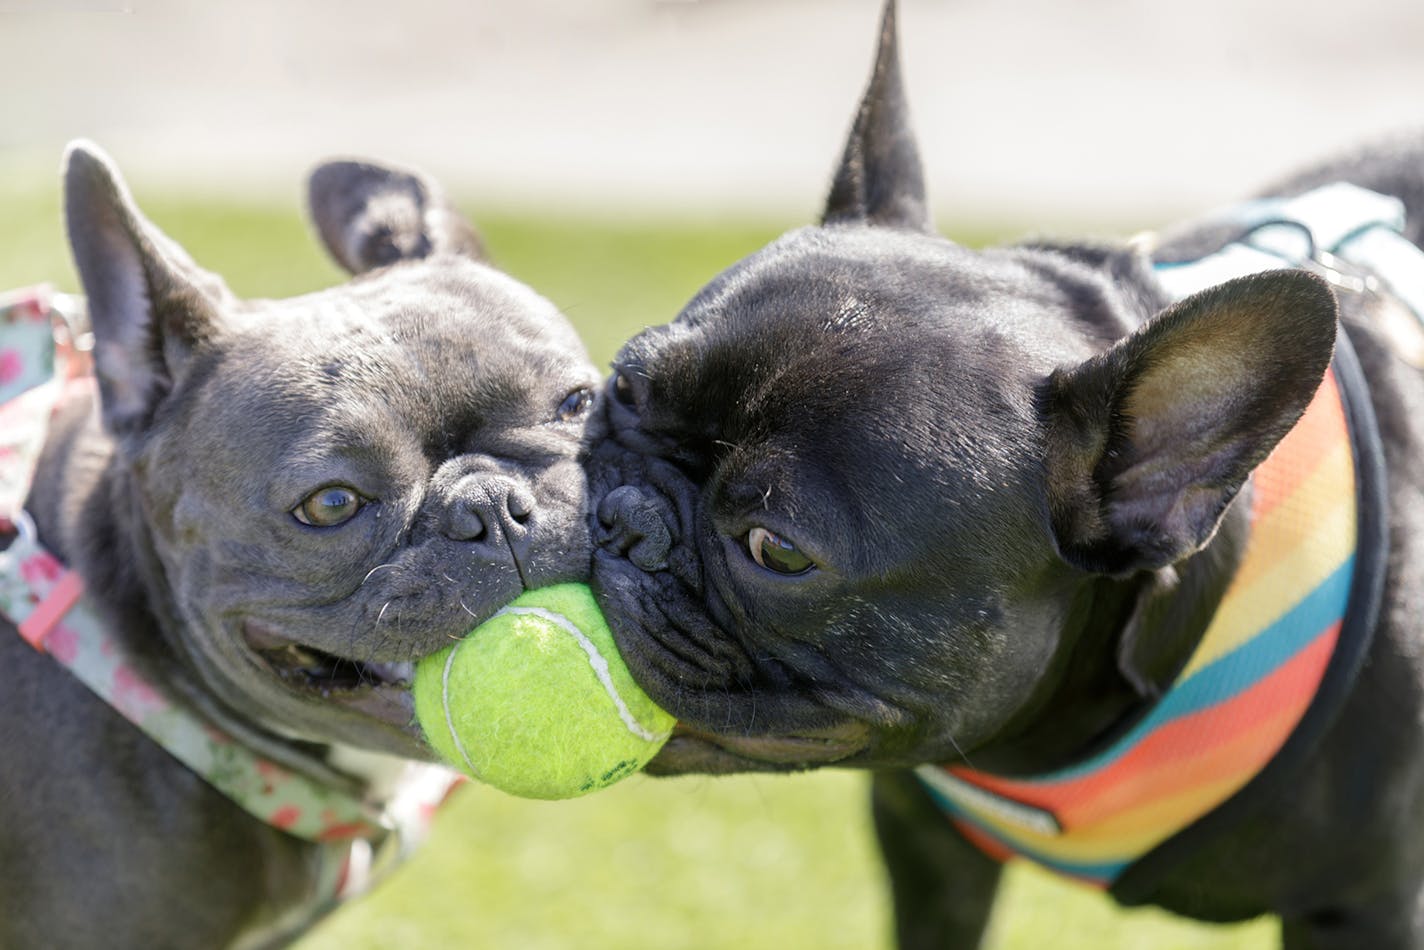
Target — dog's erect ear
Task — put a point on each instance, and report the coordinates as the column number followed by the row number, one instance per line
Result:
column 880, row 180
column 1149, row 441
column 148, row 302
column 371, row 215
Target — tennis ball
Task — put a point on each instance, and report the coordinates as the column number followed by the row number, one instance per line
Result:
column 536, row 700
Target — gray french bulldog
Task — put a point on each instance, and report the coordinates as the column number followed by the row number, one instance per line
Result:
column 879, row 501
column 276, row 506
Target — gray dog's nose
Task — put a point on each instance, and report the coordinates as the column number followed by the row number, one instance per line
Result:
column 489, row 508
column 635, row 527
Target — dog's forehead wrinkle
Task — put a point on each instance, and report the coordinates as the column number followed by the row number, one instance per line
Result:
column 819, row 282
column 949, row 413
column 425, row 365
column 446, row 298
column 831, row 337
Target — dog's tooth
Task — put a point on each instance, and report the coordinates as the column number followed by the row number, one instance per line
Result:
column 392, row 674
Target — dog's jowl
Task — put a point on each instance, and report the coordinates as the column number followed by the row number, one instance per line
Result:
column 1108, row 557
column 241, row 532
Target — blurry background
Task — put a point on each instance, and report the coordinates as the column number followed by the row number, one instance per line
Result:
column 1036, row 113
column 617, row 153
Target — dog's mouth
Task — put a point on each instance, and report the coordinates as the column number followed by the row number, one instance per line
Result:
column 378, row 689
column 684, row 661
column 326, row 673
column 694, row 750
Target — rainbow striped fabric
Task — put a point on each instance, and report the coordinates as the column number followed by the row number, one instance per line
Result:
column 1235, row 703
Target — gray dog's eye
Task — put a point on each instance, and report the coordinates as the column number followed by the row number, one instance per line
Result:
column 574, row 405
column 328, row 507
column 775, row 553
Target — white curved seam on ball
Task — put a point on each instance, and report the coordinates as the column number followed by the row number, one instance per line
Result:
column 599, row 664
column 445, row 702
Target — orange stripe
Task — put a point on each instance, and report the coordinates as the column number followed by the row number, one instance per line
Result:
column 991, row 846
column 1237, row 736
column 1235, row 758
column 1301, row 450
column 1165, row 747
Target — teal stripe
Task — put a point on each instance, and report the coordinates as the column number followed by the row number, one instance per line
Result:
column 1232, row 673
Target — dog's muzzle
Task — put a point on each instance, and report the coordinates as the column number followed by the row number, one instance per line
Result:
column 633, row 525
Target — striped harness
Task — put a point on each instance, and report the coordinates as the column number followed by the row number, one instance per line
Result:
column 1290, row 632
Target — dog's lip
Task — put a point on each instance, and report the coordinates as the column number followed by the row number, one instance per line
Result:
column 379, row 689
column 693, row 749
column 394, row 705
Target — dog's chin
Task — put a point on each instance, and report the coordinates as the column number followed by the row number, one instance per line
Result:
column 731, row 718
column 691, row 750
column 381, row 691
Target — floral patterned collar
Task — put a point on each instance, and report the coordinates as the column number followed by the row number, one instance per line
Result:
column 39, row 365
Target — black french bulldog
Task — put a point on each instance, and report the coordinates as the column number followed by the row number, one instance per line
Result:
column 876, row 500
column 278, row 506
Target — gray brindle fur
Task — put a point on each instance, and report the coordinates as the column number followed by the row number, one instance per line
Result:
column 447, row 398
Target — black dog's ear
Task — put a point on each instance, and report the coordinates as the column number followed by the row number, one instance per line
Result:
column 880, row 180
column 149, row 304
column 1149, row 441
column 371, row 215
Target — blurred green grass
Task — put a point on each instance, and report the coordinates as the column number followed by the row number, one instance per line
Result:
column 745, row 862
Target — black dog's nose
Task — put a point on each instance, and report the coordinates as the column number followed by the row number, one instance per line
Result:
column 488, row 507
column 635, row 527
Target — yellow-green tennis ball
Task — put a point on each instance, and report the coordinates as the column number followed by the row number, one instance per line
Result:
column 536, row 700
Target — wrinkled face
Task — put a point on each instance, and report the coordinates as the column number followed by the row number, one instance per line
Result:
column 821, row 532
column 345, row 482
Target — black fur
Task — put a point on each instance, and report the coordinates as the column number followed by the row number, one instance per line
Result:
column 1014, row 473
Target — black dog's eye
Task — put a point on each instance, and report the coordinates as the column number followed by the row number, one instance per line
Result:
column 775, row 553
column 328, row 507
column 622, row 389
column 574, row 405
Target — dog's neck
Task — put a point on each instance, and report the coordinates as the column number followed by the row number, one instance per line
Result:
column 86, row 511
column 1151, row 624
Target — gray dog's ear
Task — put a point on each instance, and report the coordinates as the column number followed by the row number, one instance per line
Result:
column 149, row 304
column 371, row 215
column 1150, row 441
column 880, row 180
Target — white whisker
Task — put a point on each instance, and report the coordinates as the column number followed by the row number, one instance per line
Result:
column 373, row 571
